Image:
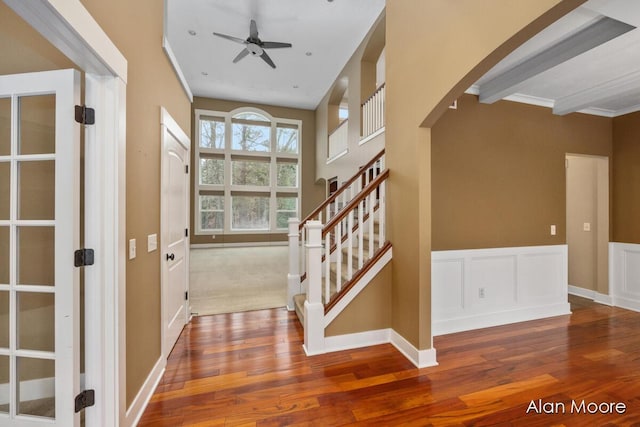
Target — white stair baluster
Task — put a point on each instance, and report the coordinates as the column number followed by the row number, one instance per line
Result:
column 350, row 245
column 371, row 200
column 360, row 234
column 327, row 268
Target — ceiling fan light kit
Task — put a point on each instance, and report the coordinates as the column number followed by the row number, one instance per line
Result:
column 253, row 45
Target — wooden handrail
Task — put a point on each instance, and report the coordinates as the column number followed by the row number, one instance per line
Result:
column 340, row 190
column 370, row 188
column 378, row 89
column 338, row 127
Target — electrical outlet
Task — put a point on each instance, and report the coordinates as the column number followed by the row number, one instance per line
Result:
column 553, row 230
column 481, row 293
column 586, row 226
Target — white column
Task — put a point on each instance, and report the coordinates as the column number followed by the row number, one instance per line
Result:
column 313, row 308
column 293, row 278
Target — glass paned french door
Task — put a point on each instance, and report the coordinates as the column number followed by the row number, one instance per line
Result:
column 39, row 231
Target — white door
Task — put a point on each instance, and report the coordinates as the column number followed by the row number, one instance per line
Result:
column 39, row 232
column 175, row 240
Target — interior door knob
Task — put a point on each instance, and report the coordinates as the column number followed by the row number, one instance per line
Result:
column 171, row 257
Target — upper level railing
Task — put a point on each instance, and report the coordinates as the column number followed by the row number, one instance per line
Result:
column 339, row 140
column 373, row 114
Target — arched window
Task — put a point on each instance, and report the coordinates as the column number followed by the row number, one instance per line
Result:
column 248, row 172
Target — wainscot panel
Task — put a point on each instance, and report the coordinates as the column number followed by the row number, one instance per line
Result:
column 624, row 275
column 478, row 288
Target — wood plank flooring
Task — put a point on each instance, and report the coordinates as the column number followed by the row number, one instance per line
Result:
column 249, row 369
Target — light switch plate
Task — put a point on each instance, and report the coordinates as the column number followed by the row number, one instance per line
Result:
column 132, row 248
column 152, row 242
column 553, row 230
column 586, row 226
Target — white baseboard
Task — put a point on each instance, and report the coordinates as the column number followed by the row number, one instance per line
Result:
column 420, row 358
column 488, row 320
column 139, row 404
column 592, row 295
column 41, row 388
column 357, row 340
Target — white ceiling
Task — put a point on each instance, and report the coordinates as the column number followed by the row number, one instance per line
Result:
column 329, row 30
column 604, row 80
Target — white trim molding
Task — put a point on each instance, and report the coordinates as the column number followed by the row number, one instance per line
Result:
column 420, row 358
column 592, row 295
column 70, row 27
column 139, row 404
column 479, row 288
column 624, row 275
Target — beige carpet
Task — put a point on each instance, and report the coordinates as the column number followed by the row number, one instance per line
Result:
column 230, row 280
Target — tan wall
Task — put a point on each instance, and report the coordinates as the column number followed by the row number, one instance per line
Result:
column 369, row 311
column 24, row 49
column 312, row 193
column 326, row 114
column 423, row 76
column 588, row 202
column 136, row 29
column 626, row 179
column 498, row 172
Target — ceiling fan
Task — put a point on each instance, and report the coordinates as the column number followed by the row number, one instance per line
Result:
column 253, row 45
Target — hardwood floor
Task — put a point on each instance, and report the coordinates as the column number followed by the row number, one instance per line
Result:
column 249, row 369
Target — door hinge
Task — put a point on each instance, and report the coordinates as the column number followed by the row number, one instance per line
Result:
column 85, row 115
column 85, row 399
column 83, row 257
column 186, row 296
column 186, row 232
column 186, row 168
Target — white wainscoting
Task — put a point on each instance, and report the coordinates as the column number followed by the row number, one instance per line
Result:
column 479, row 288
column 624, row 275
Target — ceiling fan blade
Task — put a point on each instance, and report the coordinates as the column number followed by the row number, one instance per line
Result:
column 253, row 30
column 233, row 39
column 274, row 45
column 267, row 59
column 244, row 52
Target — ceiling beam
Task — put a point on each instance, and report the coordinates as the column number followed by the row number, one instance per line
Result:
column 593, row 34
column 602, row 93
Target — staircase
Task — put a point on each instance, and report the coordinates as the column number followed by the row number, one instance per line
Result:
column 336, row 250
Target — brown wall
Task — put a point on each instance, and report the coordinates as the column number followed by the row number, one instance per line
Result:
column 136, row 29
column 498, row 172
column 312, row 194
column 626, row 179
column 419, row 89
column 369, row 311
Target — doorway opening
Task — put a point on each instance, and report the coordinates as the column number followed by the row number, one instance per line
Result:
column 587, row 198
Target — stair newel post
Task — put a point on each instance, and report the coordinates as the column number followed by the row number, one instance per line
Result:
column 293, row 278
column 313, row 307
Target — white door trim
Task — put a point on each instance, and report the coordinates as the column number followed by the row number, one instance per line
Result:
column 170, row 125
column 71, row 28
